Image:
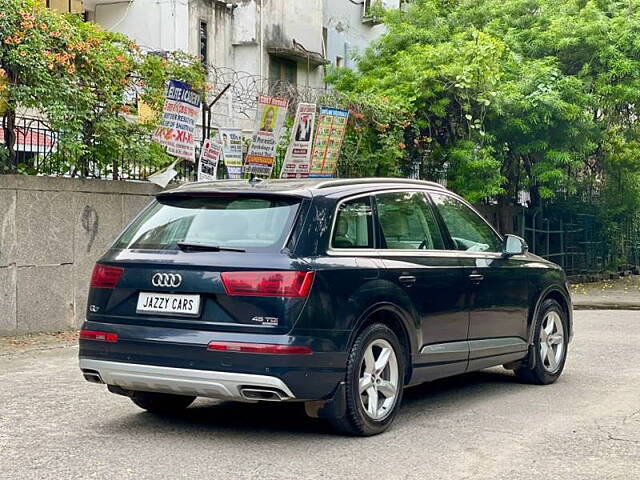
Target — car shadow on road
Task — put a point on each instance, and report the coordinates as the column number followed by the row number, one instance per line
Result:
column 233, row 419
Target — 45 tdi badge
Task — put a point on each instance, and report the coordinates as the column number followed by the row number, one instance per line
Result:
column 268, row 321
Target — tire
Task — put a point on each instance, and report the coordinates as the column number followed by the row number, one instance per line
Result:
column 161, row 403
column 363, row 417
column 550, row 337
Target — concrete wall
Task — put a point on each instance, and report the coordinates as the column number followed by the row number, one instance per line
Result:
column 52, row 230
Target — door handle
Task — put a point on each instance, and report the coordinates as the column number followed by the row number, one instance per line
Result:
column 407, row 280
column 476, row 277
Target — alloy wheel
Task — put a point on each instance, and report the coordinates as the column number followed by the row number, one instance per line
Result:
column 379, row 378
column 552, row 342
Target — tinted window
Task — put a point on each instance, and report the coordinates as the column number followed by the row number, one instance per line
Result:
column 353, row 227
column 407, row 222
column 250, row 223
column 468, row 230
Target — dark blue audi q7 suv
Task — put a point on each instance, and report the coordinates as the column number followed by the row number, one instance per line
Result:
column 336, row 293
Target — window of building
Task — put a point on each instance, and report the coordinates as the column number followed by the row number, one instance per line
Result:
column 339, row 61
column 204, row 43
column 65, row 6
column 283, row 70
column 325, row 40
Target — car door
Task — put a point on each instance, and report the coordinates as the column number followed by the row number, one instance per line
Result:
column 497, row 285
column 412, row 249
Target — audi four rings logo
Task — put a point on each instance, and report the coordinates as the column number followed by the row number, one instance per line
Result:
column 168, row 280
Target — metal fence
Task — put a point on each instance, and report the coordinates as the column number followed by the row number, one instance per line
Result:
column 38, row 152
column 580, row 243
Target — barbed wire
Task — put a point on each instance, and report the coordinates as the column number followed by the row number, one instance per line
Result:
column 245, row 88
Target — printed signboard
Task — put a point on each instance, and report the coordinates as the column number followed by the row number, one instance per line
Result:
column 332, row 124
column 209, row 158
column 298, row 158
column 178, row 123
column 266, row 134
column 231, row 141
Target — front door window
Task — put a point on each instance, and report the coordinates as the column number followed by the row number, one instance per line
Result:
column 469, row 232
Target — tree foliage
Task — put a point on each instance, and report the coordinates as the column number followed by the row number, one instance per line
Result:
column 507, row 95
column 84, row 81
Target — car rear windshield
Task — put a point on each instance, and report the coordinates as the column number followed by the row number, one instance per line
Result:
column 248, row 223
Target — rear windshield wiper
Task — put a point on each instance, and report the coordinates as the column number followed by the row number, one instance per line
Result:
column 205, row 247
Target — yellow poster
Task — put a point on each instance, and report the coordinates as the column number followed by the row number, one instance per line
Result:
column 146, row 113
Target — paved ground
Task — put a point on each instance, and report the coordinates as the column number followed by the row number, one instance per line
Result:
column 482, row 425
column 621, row 293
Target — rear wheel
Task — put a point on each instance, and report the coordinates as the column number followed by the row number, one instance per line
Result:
column 549, row 346
column 374, row 382
column 161, row 403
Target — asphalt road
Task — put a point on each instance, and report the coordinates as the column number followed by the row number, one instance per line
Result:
column 482, row 425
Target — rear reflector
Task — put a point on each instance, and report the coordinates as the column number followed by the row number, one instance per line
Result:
column 105, row 276
column 267, row 284
column 259, row 348
column 98, row 336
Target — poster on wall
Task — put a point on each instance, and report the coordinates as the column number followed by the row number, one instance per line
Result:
column 266, row 134
column 231, row 141
column 332, row 124
column 178, row 123
column 209, row 158
column 298, row 158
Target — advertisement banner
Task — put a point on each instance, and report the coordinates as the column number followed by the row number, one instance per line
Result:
column 178, row 123
column 268, row 126
column 298, row 158
column 209, row 157
column 332, row 124
column 231, row 141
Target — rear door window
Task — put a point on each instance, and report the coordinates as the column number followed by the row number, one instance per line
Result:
column 231, row 221
column 354, row 224
column 407, row 222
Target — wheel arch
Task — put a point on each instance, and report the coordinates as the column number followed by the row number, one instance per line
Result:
column 397, row 320
column 556, row 293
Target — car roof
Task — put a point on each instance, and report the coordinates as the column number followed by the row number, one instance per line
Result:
column 306, row 187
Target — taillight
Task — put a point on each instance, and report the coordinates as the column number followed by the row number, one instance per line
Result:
column 259, row 348
column 105, row 276
column 267, row 284
column 98, row 336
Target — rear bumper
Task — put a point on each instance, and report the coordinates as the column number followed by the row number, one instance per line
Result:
column 183, row 381
column 168, row 359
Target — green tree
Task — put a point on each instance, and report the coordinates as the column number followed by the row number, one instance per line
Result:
column 84, row 81
column 514, row 94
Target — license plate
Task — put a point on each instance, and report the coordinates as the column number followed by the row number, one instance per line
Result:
column 168, row 304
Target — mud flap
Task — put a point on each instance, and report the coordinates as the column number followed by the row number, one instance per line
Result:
column 335, row 407
column 531, row 357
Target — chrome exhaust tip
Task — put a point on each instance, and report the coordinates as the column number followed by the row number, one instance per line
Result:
column 92, row 376
column 263, row 394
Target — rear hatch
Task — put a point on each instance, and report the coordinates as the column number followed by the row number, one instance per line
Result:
column 212, row 262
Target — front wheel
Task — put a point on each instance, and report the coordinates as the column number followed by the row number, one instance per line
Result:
column 549, row 346
column 374, row 382
column 161, row 403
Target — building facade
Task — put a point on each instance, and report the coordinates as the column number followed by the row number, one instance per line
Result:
column 253, row 44
column 349, row 27
column 275, row 39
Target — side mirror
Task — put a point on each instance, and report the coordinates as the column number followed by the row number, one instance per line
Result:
column 514, row 245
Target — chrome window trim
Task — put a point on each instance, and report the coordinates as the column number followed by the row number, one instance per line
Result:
column 333, row 251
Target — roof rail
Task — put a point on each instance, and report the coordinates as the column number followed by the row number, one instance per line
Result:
column 363, row 181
